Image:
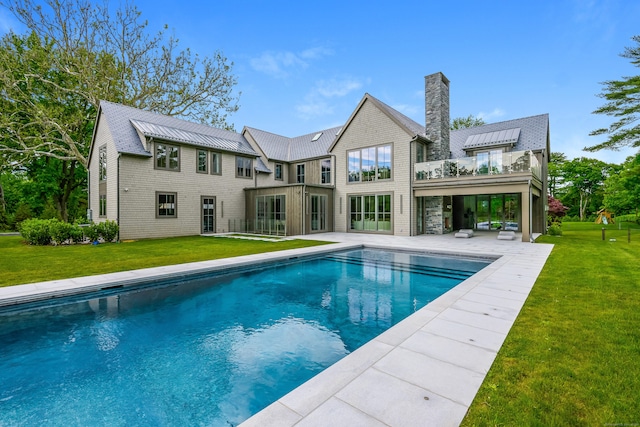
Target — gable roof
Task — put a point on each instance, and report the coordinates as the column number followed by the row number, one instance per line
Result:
column 527, row 133
column 124, row 122
column 410, row 126
column 278, row 147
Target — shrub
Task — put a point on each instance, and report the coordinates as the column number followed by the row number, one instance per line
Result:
column 77, row 233
column 92, row 232
column 36, row 231
column 555, row 230
column 60, row 231
column 108, row 230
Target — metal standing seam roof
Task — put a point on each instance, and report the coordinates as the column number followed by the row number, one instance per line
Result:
column 120, row 118
column 178, row 135
column 533, row 135
column 491, row 139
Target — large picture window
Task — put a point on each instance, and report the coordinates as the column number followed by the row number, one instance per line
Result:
column 370, row 212
column 167, row 157
column 370, row 164
column 166, row 205
column 244, row 167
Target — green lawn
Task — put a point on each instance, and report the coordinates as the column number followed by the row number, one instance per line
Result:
column 573, row 355
column 21, row 263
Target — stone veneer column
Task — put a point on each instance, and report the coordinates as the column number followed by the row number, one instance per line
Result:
column 434, row 221
column 437, row 116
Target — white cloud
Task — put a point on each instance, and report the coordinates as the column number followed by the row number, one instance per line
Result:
column 316, row 53
column 337, row 88
column 315, row 102
column 313, row 108
column 495, row 114
column 280, row 64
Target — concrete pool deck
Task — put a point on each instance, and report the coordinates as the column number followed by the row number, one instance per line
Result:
column 426, row 370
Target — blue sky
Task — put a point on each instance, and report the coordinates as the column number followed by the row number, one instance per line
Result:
column 304, row 66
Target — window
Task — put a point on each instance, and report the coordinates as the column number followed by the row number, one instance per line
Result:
column 278, row 176
column 354, row 166
column 244, row 167
column 103, row 205
column 318, row 213
column 216, row 163
column 369, row 164
column 371, row 212
column 300, row 173
column 202, row 161
column 271, row 215
column 167, row 206
column 326, row 171
column 102, row 163
column 167, row 157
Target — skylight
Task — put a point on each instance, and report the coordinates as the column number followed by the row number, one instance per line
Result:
column 316, row 137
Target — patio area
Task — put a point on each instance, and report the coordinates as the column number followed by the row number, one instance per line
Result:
column 427, row 369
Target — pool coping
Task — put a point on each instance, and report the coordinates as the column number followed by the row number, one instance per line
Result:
column 425, row 370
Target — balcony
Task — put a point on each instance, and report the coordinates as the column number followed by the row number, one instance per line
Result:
column 486, row 164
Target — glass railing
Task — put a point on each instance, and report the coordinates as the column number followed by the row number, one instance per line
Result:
column 491, row 164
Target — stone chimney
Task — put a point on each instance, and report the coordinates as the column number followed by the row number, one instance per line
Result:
column 437, row 116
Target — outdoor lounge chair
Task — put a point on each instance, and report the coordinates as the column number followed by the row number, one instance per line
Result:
column 464, row 233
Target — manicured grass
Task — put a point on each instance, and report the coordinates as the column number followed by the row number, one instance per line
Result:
column 21, row 263
column 573, row 355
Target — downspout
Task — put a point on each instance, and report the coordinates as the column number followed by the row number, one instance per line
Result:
column 118, row 196
column 530, row 214
column 411, row 177
column 303, row 209
column 89, row 194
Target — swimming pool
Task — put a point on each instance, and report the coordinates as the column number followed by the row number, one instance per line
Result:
column 213, row 350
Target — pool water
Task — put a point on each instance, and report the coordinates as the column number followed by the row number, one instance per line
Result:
column 208, row 351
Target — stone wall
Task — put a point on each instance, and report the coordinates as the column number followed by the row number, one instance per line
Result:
column 433, row 207
column 437, row 116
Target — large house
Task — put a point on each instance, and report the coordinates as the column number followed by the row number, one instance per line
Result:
column 381, row 172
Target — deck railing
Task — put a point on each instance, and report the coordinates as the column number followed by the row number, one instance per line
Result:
column 489, row 164
column 271, row 227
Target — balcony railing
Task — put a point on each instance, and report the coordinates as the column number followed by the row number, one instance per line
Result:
column 487, row 164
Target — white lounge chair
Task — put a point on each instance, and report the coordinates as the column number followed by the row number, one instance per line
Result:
column 507, row 235
column 464, row 233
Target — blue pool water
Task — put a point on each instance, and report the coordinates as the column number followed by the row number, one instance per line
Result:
column 208, row 351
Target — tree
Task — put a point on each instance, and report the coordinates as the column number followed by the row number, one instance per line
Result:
column 466, row 122
column 556, row 163
column 623, row 103
column 622, row 190
column 77, row 53
column 585, row 179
